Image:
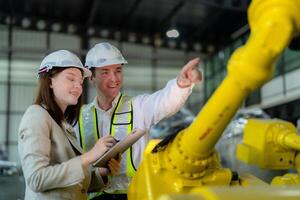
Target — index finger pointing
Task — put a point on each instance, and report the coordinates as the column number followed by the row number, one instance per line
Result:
column 192, row 63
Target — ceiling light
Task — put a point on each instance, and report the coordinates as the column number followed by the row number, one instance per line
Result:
column 173, row 33
column 132, row 37
column 146, row 40
column 56, row 27
column 41, row 24
column 25, row 23
column 210, row 48
column 72, row 28
column 157, row 42
column 197, row 46
column 9, row 20
column 104, row 33
column 183, row 45
column 221, row 55
column 91, row 31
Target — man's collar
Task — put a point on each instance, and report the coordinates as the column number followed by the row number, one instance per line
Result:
column 114, row 102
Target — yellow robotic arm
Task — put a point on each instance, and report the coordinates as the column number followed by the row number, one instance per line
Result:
column 190, row 161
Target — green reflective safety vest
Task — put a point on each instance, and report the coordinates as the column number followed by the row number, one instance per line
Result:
column 121, row 123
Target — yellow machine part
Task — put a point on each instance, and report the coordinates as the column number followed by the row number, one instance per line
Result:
column 156, row 179
column 269, row 144
column 289, row 179
column 189, row 161
column 237, row 193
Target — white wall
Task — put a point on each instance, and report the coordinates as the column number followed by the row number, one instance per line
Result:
column 29, row 48
column 281, row 89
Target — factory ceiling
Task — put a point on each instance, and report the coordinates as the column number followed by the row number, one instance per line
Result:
column 202, row 25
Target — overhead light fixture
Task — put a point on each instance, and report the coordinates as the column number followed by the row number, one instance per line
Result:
column 41, row 25
column 91, row 31
column 157, row 42
column 210, row 48
column 25, row 22
column 197, row 47
column 10, row 20
column 146, row 40
column 132, row 37
column 183, row 45
column 221, row 55
column 7, row 20
column 173, row 33
column 104, row 33
column 72, row 28
column 56, row 27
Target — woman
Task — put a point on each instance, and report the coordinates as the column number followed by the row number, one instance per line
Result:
column 52, row 161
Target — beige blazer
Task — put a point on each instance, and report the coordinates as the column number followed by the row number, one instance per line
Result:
column 50, row 158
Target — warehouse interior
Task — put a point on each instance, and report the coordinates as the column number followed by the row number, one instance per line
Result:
column 157, row 38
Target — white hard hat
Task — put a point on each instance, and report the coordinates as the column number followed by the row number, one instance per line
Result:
column 103, row 54
column 62, row 58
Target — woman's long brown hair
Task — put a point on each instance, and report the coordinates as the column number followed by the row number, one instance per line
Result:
column 45, row 98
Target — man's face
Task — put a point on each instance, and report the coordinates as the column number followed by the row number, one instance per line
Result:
column 108, row 80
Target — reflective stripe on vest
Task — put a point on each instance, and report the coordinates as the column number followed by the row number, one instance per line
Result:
column 129, row 122
column 88, row 125
column 121, row 122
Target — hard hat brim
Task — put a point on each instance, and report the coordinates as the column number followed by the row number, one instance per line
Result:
column 107, row 63
column 62, row 58
column 86, row 72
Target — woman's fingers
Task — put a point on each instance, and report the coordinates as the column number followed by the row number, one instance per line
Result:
column 108, row 141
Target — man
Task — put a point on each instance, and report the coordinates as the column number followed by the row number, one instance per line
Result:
column 114, row 113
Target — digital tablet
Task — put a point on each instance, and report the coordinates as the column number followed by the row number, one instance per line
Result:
column 119, row 147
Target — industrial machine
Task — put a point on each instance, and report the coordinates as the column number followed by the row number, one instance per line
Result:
column 187, row 166
column 272, row 144
column 233, row 135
